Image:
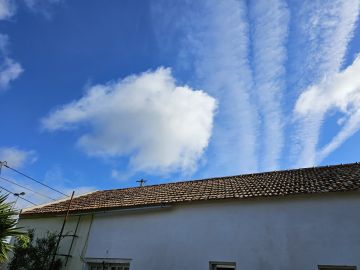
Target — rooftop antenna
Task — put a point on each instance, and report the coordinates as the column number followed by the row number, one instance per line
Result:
column 141, row 182
column 2, row 163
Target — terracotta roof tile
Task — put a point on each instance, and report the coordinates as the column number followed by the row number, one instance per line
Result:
column 337, row 178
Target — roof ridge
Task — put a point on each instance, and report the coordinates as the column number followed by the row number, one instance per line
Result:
column 310, row 180
column 236, row 175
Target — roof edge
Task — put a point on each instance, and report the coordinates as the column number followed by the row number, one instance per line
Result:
column 23, row 211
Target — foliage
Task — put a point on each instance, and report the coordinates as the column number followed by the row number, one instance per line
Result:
column 36, row 255
column 8, row 228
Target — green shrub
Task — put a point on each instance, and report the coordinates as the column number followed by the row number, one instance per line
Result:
column 35, row 255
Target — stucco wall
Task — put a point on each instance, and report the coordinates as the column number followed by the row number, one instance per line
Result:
column 295, row 233
column 44, row 225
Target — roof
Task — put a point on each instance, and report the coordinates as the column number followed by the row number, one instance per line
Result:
column 336, row 178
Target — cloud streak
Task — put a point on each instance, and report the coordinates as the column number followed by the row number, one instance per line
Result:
column 7, row 9
column 270, row 22
column 9, row 69
column 326, row 28
column 16, row 157
column 161, row 126
column 218, row 40
column 340, row 93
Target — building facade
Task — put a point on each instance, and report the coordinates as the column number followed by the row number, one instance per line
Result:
column 298, row 219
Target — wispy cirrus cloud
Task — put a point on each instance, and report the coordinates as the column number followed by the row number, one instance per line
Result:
column 38, row 194
column 270, row 26
column 43, row 7
column 7, row 9
column 16, row 157
column 341, row 93
column 326, row 27
column 217, row 40
column 161, row 126
column 10, row 70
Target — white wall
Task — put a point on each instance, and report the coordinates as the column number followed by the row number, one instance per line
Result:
column 53, row 224
column 294, row 233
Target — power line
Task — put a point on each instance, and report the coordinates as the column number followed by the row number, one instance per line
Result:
column 29, row 177
column 29, row 189
column 17, row 195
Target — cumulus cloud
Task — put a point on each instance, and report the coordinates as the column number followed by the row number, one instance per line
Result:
column 16, row 157
column 9, row 69
column 341, row 93
column 160, row 125
column 7, row 9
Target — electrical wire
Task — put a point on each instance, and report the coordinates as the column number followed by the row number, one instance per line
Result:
column 29, row 189
column 18, row 195
column 29, row 177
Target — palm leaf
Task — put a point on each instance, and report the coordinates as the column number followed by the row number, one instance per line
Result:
column 8, row 227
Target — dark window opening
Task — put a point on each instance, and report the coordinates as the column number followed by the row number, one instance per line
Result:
column 222, row 266
column 336, row 267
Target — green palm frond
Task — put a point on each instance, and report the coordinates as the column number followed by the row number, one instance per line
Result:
column 8, row 227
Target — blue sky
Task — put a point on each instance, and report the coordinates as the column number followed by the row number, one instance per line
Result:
column 96, row 95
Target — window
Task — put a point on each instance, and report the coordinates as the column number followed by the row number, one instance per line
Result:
column 222, row 265
column 336, row 267
column 108, row 266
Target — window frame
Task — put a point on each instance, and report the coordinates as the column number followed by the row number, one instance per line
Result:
column 108, row 265
column 229, row 265
column 89, row 261
column 337, row 267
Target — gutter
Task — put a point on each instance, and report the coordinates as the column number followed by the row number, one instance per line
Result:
column 98, row 211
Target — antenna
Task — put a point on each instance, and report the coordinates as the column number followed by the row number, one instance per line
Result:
column 141, row 182
column 2, row 163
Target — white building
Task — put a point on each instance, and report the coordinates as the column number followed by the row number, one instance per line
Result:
column 303, row 219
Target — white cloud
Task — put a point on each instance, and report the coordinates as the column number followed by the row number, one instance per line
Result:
column 7, row 9
column 32, row 4
column 340, row 92
column 55, row 177
column 16, row 157
column 218, row 40
column 161, row 126
column 327, row 27
column 43, row 7
column 9, row 69
column 270, row 21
